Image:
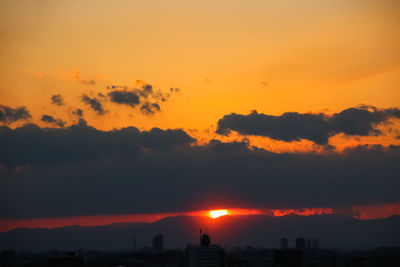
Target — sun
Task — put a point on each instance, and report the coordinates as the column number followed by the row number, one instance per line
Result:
column 218, row 213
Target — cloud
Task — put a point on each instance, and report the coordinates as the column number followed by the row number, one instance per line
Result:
column 149, row 109
column 82, row 122
column 145, row 91
column 94, row 103
column 52, row 120
column 78, row 112
column 145, row 95
column 164, row 96
column 79, row 170
column 124, row 97
column 9, row 115
column 33, row 145
column 57, row 100
column 293, row 126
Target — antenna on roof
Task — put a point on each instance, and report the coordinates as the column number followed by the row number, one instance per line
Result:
column 200, row 235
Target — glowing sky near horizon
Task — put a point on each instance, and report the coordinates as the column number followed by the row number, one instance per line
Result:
column 361, row 212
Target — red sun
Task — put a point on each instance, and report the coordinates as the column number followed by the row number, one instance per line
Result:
column 218, row 213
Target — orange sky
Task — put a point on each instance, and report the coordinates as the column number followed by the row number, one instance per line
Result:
column 227, row 56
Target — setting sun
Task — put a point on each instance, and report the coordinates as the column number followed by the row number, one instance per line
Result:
column 218, row 213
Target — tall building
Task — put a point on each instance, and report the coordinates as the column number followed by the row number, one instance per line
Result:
column 205, row 254
column 158, row 243
column 300, row 243
column 284, row 243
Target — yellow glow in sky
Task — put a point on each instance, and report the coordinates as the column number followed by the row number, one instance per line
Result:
column 218, row 213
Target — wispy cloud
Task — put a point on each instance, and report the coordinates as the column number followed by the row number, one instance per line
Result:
column 52, row 120
column 57, row 100
column 94, row 103
column 9, row 115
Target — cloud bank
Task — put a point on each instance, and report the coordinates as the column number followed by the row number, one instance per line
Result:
column 32, row 145
column 293, row 126
column 80, row 170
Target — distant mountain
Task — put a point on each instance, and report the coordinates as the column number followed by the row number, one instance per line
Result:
column 333, row 231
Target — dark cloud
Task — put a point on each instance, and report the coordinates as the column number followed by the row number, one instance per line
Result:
column 149, row 109
column 78, row 112
column 293, row 126
column 112, row 87
column 94, row 103
column 124, row 97
column 52, row 120
column 147, row 90
column 146, row 96
column 57, row 100
column 33, row 145
column 9, row 115
column 164, row 96
column 80, row 170
column 82, row 122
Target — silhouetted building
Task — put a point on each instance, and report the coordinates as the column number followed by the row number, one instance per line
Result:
column 284, row 243
column 315, row 243
column 308, row 246
column 72, row 259
column 158, row 243
column 300, row 243
column 205, row 240
column 205, row 255
column 288, row 257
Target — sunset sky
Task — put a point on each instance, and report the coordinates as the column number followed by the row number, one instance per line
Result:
column 257, row 105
